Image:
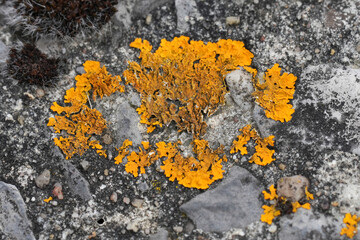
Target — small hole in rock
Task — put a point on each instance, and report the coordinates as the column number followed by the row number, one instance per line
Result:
column 101, row 221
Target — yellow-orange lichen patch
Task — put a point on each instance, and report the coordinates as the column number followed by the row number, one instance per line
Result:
column 274, row 94
column 192, row 172
column 78, row 121
column 263, row 155
column 183, row 81
column 137, row 161
column 351, row 222
column 281, row 205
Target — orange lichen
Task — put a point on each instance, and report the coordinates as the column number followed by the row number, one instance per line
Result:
column 183, row 81
column 122, row 151
column 270, row 212
column 80, row 122
column 275, row 93
column 138, row 161
column 48, row 199
column 296, row 205
column 281, row 203
column 308, row 195
column 351, row 222
column 263, row 155
column 191, row 172
column 272, row 195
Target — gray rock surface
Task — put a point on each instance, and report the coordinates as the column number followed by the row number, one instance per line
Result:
column 232, row 204
column 78, row 185
column 161, row 234
column 304, row 225
column 241, row 87
column 186, row 10
column 4, row 50
column 13, row 219
column 127, row 121
column 143, row 7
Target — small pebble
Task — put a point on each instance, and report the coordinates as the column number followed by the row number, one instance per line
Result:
column 272, row 228
column 126, row 200
column 21, row 119
column 29, row 95
column 317, row 51
column 113, row 197
column 57, row 191
column 282, row 166
column 85, row 164
column 106, row 172
column 43, row 179
column 148, row 19
column 230, row 21
column 137, row 203
column 54, row 203
column 40, row 93
column 334, row 204
column 107, row 139
column 332, row 52
column 178, row 229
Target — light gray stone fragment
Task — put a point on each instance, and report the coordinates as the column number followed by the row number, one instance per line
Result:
column 14, row 223
column 123, row 14
column 43, row 179
column 304, row 225
column 233, row 204
column 292, row 188
column 77, row 183
column 4, row 51
column 241, row 87
column 144, row 7
column 185, row 9
column 127, row 123
column 161, row 234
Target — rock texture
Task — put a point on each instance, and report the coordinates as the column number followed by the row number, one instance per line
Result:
column 14, row 223
column 232, row 204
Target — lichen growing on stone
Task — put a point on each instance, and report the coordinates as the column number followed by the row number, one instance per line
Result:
column 281, row 205
column 274, row 94
column 76, row 120
column 263, row 155
column 190, row 172
column 183, row 81
column 351, row 222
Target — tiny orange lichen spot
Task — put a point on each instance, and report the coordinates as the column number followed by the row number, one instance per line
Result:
column 80, row 122
column 270, row 212
column 183, row 81
column 351, row 222
column 308, row 195
column 297, row 205
column 275, row 93
column 48, row 199
column 272, row 195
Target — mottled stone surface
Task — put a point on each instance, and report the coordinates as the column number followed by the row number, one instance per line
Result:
column 14, row 223
column 232, row 204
